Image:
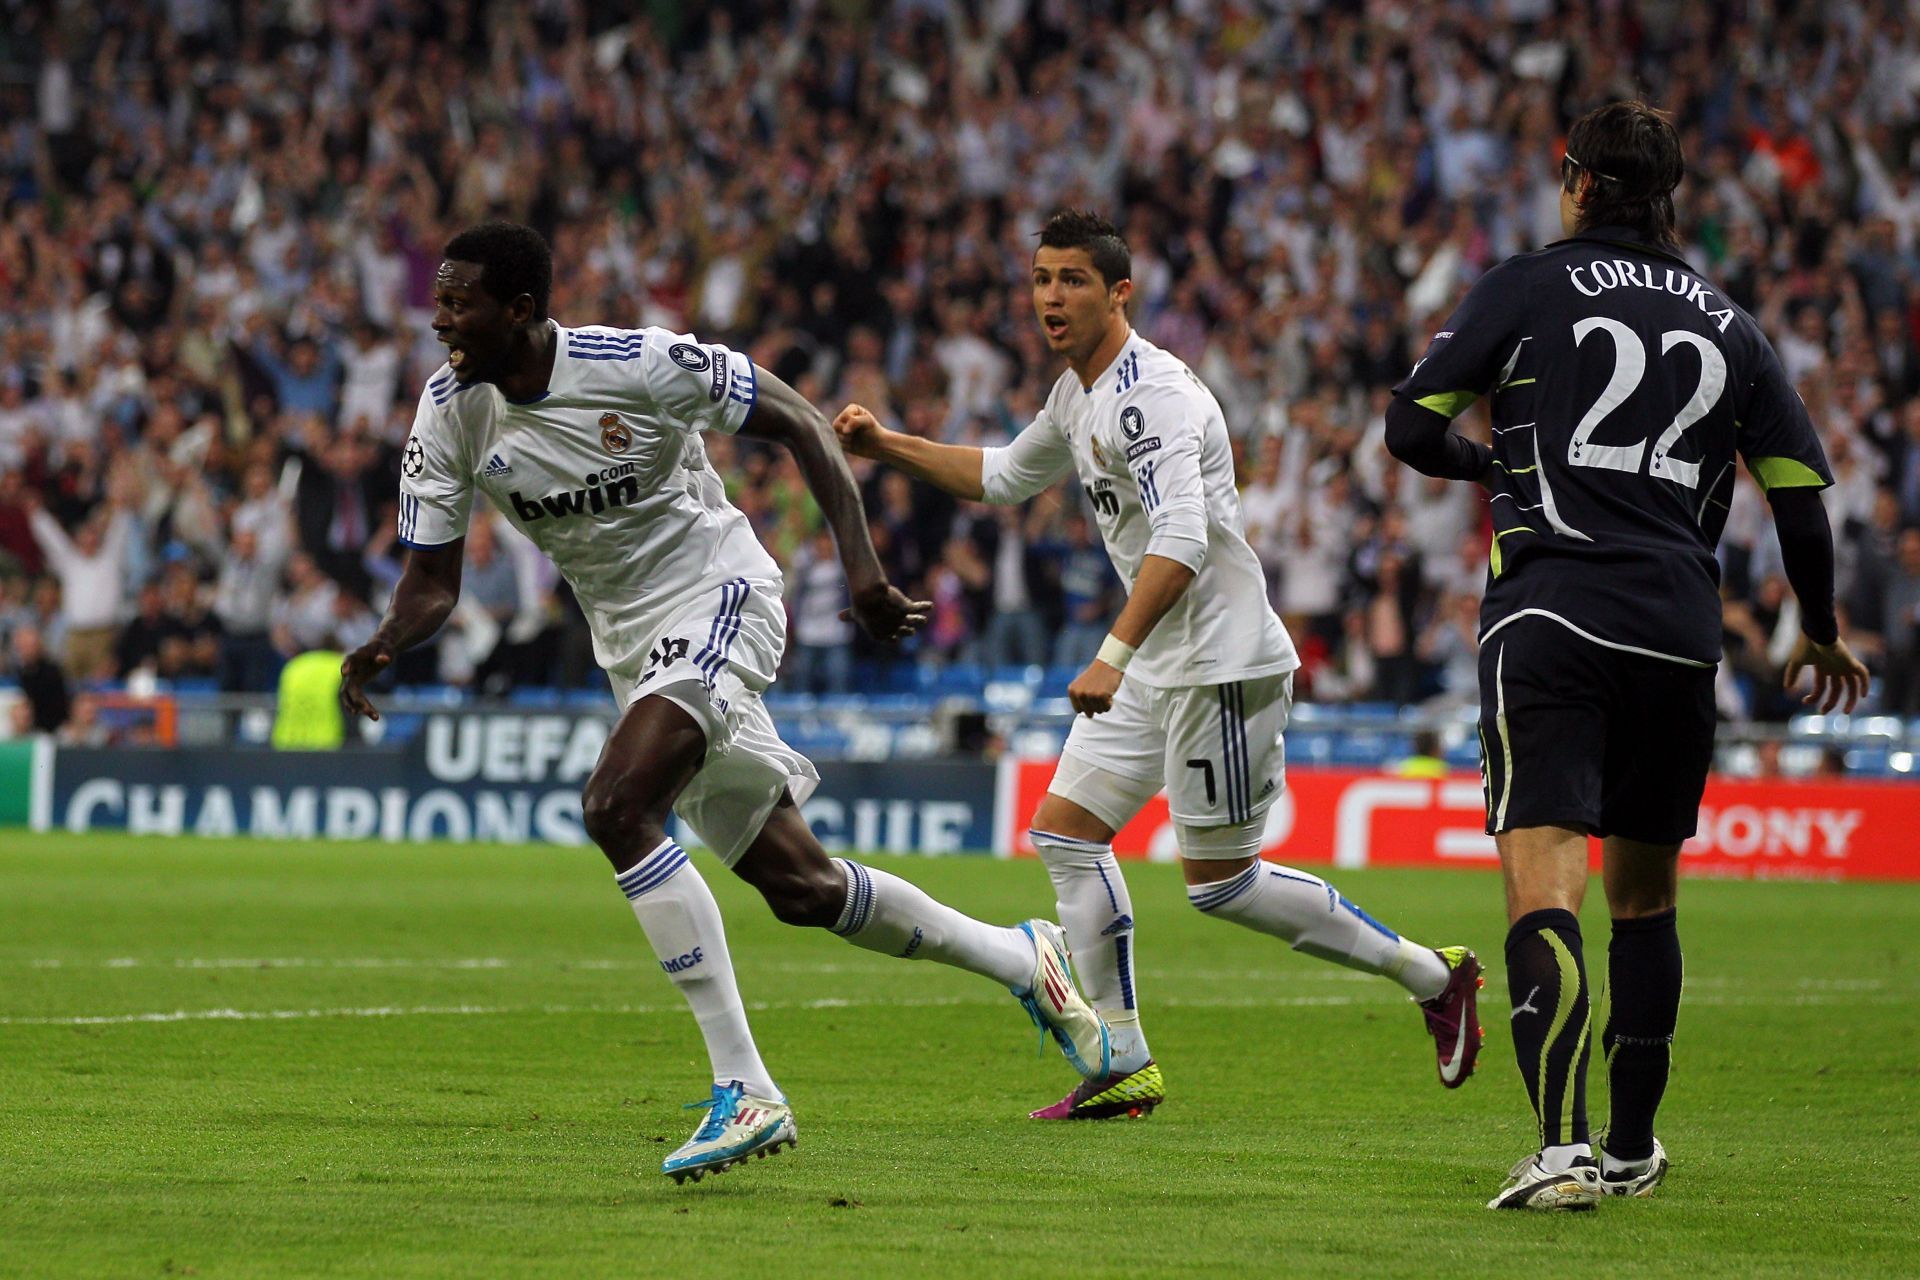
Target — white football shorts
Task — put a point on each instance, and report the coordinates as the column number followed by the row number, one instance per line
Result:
column 714, row 659
column 1216, row 748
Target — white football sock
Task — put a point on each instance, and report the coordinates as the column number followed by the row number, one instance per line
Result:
column 895, row 917
column 1617, row 1168
column 1097, row 913
column 682, row 921
column 1307, row 912
column 1560, row 1159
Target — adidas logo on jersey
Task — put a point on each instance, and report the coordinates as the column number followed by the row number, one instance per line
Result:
column 497, row 467
column 617, row 486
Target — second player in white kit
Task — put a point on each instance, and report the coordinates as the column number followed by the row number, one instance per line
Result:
column 588, row 441
column 1192, row 689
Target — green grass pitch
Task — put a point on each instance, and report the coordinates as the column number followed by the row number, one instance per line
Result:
column 479, row 1068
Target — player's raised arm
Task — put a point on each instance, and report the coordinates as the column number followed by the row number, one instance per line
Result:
column 428, row 589
column 952, row 467
column 784, row 416
column 1039, row 456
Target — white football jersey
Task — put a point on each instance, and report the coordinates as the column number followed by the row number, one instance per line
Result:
column 605, row 473
column 1150, row 446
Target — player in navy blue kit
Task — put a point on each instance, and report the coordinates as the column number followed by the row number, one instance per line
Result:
column 1623, row 384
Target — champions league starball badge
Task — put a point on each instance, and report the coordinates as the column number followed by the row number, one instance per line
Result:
column 413, row 460
column 614, row 434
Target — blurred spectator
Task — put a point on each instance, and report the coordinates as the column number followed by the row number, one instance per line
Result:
column 820, row 658
column 1902, row 628
column 43, row 686
column 1087, row 588
column 191, row 643
column 1015, row 634
column 140, row 640
column 19, row 549
column 90, row 567
column 243, row 603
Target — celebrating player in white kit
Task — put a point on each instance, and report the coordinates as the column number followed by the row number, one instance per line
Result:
column 1191, row 689
column 588, row 440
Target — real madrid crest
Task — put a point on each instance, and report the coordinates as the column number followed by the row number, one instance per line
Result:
column 614, row 433
column 1098, row 456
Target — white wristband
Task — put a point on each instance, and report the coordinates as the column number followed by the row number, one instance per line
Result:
column 1115, row 652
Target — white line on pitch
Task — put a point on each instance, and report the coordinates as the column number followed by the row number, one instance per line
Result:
column 464, row 1010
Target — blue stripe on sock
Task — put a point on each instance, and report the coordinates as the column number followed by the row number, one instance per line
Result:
column 1123, row 959
column 1112, row 899
column 1036, row 836
column 662, row 854
column 859, row 898
column 1345, row 902
column 655, row 872
column 1214, row 896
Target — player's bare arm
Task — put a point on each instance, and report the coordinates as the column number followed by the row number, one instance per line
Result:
column 951, row 467
column 784, row 416
column 1158, row 588
column 428, row 589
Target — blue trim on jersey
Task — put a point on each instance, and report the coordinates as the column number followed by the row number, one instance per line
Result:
column 1241, row 757
column 424, row 546
column 577, row 338
column 451, row 392
column 753, row 392
column 725, row 627
column 1149, row 490
column 1233, row 753
column 536, row 400
column 710, row 650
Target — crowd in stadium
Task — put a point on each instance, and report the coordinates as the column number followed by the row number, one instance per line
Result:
column 221, row 222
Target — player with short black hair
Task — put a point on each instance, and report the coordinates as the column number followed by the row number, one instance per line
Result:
column 1623, row 385
column 514, row 259
column 1085, row 229
column 1192, row 688
column 589, row 441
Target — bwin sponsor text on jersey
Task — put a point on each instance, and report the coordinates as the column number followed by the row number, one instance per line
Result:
column 615, row 487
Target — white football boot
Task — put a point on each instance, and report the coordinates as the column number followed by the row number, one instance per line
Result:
column 1531, row 1187
column 737, row 1128
column 1056, row 1006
